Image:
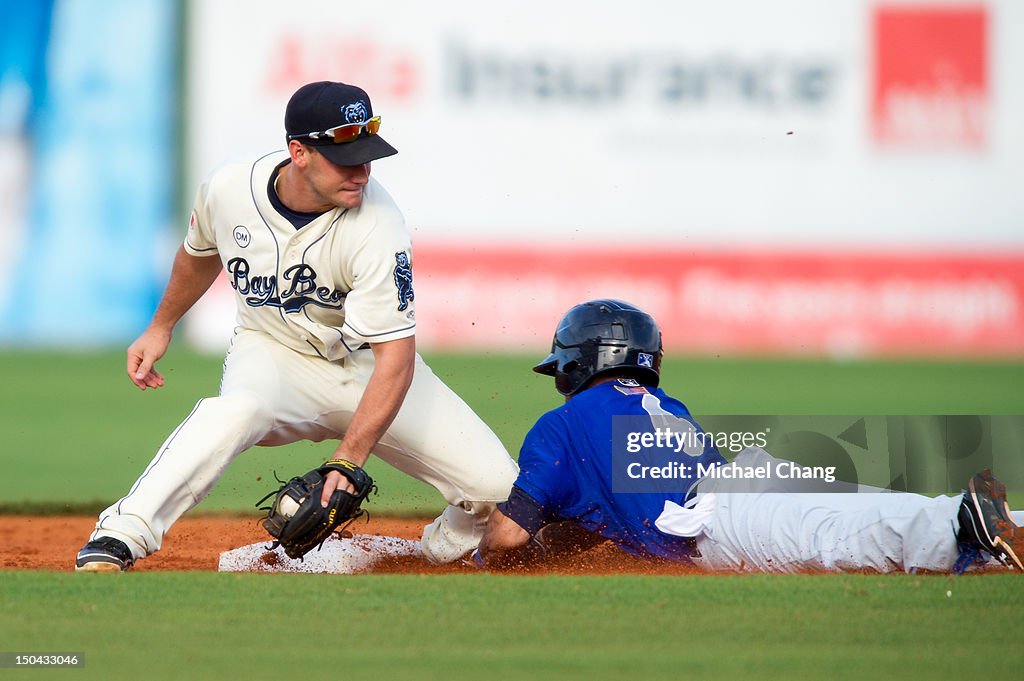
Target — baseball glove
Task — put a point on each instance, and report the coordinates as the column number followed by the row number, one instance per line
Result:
column 297, row 521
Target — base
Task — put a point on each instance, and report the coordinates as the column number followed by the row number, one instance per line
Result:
column 337, row 556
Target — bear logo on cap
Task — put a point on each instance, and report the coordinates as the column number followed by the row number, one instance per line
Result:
column 354, row 113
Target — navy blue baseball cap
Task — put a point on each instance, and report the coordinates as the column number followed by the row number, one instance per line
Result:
column 338, row 120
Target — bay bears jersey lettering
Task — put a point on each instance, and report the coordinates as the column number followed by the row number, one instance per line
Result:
column 300, row 279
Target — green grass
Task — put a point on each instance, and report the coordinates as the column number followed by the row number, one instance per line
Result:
column 212, row 626
column 76, row 433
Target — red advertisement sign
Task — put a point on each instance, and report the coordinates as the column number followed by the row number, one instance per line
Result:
column 834, row 304
column 931, row 83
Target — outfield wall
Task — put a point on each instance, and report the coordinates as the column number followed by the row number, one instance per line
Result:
column 790, row 177
column 783, row 124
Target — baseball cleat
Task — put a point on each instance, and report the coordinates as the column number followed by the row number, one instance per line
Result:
column 985, row 521
column 104, row 554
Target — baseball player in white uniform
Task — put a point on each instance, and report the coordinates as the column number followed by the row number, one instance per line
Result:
column 320, row 262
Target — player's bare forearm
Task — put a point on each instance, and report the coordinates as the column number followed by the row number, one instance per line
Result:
column 191, row 277
column 394, row 363
column 507, row 545
column 504, row 542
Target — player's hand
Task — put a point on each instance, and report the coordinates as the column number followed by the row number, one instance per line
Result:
column 143, row 354
column 334, row 481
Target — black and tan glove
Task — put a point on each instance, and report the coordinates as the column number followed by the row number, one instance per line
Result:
column 298, row 522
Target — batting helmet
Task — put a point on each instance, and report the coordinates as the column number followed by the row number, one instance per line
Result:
column 600, row 337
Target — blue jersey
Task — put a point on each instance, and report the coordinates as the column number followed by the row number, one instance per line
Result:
column 566, row 467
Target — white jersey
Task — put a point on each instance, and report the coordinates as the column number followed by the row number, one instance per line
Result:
column 339, row 282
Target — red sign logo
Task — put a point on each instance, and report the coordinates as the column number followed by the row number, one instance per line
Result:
column 385, row 71
column 931, row 76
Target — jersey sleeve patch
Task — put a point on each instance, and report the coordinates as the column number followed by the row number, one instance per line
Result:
column 403, row 280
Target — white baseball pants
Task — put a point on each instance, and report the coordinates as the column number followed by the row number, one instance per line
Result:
column 766, row 529
column 271, row 395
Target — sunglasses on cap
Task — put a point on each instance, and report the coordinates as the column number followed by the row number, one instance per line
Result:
column 344, row 133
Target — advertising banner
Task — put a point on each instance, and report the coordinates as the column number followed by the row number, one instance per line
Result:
column 832, row 304
column 795, row 176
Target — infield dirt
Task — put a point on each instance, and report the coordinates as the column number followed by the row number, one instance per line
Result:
column 51, row 542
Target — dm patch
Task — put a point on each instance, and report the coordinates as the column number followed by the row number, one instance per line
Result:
column 241, row 235
column 403, row 280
